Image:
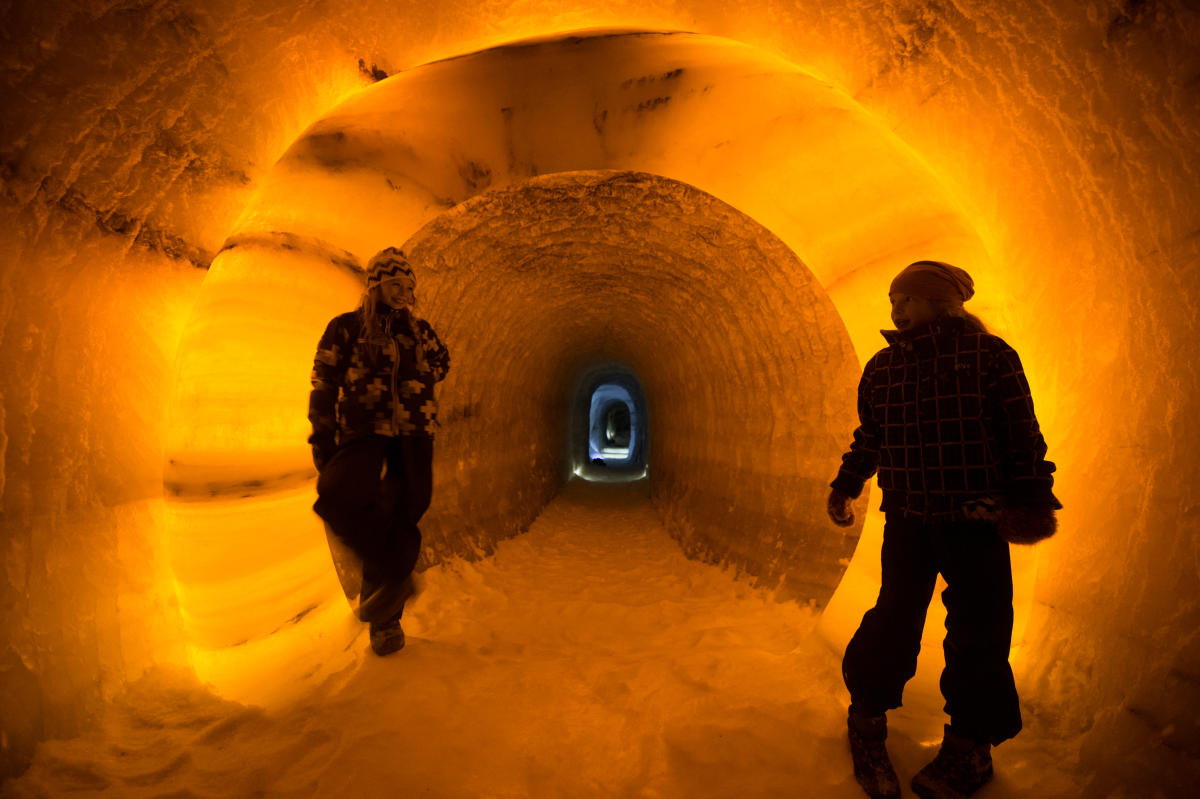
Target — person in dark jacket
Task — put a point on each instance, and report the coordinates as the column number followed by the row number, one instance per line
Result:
column 947, row 422
column 373, row 416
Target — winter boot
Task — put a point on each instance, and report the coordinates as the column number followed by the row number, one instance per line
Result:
column 961, row 768
column 386, row 638
column 872, row 766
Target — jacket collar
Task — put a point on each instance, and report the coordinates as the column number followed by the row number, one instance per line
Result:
column 925, row 335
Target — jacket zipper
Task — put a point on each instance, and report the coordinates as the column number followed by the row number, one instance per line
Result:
column 394, row 347
column 920, row 437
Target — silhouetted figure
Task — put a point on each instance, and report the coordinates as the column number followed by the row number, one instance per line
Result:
column 947, row 420
column 373, row 415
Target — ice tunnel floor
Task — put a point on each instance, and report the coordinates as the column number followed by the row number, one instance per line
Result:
column 587, row 658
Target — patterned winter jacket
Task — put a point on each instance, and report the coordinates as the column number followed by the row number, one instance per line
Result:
column 360, row 390
column 946, row 418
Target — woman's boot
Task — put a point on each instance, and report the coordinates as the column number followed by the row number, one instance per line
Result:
column 872, row 766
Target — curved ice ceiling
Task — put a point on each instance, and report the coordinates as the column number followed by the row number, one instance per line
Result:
column 133, row 134
column 636, row 259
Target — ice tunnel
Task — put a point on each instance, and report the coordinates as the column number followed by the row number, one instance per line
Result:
column 699, row 204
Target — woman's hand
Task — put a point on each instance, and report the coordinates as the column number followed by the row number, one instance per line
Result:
column 323, row 447
column 839, row 509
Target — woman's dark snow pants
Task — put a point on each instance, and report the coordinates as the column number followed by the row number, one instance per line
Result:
column 374, row 510
column 981, row 697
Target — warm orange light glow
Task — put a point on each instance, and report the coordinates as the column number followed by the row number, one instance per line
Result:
column 1045, row 145
column 793, row 152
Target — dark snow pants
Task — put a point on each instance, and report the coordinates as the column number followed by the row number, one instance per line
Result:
column 977, row 683
column 372, row 493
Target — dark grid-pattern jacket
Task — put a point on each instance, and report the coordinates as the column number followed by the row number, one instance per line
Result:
column 946, row 418
column 359, row 390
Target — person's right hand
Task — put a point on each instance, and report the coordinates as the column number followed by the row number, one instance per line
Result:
column 839, row 509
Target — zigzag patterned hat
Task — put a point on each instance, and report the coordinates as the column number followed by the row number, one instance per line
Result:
column 389, row 264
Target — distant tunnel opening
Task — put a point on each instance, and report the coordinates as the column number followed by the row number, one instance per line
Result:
column 608, row 427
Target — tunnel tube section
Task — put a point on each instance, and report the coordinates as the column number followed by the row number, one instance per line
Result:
column 520, row 283
column 124, row 171
column 655, row 208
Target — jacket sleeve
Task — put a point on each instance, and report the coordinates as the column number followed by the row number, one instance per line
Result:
column 1025, row 474
column 436, row 354
column 862, row 461
column 328, row 373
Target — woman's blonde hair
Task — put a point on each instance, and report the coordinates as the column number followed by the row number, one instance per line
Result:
column 372, row 311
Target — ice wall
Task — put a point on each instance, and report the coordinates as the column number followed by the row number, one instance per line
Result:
column 584, row 268
column 133, row 135
column 529, row 288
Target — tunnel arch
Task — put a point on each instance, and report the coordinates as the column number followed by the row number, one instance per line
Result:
column 393, row 162
column 640, row 269
column 1068, row 133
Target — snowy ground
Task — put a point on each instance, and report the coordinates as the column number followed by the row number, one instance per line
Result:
column 587, row 658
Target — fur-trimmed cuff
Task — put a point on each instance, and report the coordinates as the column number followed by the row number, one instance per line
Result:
column 848, row 484
column 1020, row 525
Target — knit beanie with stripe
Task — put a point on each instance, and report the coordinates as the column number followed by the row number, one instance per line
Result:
column 389, row 264
column 934, row 280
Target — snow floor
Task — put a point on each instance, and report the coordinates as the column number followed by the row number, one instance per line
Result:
column 587, row 658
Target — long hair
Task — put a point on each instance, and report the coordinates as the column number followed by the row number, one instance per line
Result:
column 955, row 308
column 372, row 311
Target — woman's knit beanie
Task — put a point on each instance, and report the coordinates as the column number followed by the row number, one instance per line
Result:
column 389, row 264
column 934, row 280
